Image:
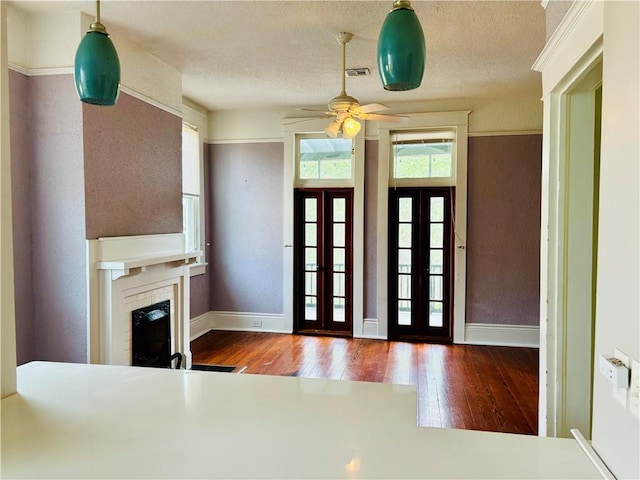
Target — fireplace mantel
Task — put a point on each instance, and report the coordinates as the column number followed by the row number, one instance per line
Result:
column 126, row 272
column 134, row 265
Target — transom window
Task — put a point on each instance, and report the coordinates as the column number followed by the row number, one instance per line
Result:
column 321, row 159
column 424, row 155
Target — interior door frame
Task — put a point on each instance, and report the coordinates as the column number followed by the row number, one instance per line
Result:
column 291, row 131
column 457, row 122
column 579, row 37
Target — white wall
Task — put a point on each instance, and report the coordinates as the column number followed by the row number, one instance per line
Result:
column 592, row 32
column 616, row 431
column 521, row 113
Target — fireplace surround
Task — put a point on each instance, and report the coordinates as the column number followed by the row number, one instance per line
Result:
column 129, row 273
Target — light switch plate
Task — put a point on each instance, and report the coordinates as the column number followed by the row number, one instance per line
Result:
column 620, row 394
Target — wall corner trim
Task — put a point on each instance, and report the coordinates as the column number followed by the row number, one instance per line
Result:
column 150, row 101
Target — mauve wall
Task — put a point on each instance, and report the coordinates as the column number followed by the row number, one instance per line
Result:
column 59, row 263
column 370, row 228
column 246, row 216
column 503, row 230
column 21, row 198
column 201, row 284
column 132, row 169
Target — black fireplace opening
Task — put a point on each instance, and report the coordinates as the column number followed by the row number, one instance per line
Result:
column 151, row 336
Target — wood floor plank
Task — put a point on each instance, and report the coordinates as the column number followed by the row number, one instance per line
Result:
column 459, row 386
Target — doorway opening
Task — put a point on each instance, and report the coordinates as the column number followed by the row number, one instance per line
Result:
column 579, row 245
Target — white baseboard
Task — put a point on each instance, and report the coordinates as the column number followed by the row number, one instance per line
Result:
column 200, row 325
column 502, row 335
column 370, row 330
column 248, row 322
column 475, row 333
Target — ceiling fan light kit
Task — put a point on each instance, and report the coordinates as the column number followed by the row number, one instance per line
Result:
column 350, row 127
column 347, row 109
column 96, row 66
column 401, row 49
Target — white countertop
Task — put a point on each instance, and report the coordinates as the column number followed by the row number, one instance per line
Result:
column 95, row 421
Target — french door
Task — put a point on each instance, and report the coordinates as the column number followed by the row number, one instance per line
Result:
column 421, row 263
column 323, row 261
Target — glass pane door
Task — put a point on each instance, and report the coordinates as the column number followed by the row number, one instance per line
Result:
column 323, row 269
column 420, row 249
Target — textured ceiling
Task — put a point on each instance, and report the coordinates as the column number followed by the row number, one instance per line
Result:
column 283, row 54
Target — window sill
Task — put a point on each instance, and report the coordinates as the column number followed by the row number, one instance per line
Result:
column 198, row 269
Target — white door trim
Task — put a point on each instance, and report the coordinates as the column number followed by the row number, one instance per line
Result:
column 572, row 52
column 459, row 122
column 290, row 131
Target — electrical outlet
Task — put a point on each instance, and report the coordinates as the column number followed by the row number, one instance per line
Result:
column 634, row 391
column 257, row 323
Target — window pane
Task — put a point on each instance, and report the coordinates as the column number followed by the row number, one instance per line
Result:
column 310, row 283
column 431, row 159
column 441, row 165
column 404, row 312
column 435, row 261
column 310, row 209
column 437, row 235
column 310, row 234
column 191, row 222
column 404, row 287
column 435, row 314
column 310, row 308
column 325, row 158
column 404, row 235
column 339, row 260
column 435, row 287
column 339, row 284
column 338, row 310
column 339, row 235
column 339, row 209
column 310, row 258
column 404, row 209
column 404, row 261
column 437, row 209
column 190, row 161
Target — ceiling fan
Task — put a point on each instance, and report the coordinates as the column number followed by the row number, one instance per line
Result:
column 346, row 109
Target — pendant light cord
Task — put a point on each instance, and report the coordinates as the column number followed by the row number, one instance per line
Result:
column 97, row 11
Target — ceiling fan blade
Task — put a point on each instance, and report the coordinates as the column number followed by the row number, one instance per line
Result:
column 370, row 107
column 384, row 118
column 314, row 110
column 293, row 121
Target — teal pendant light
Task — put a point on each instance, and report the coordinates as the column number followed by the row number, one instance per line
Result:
column 97, row 68
column 401, row 49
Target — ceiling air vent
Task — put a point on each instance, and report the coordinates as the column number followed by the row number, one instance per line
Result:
column 357, row 72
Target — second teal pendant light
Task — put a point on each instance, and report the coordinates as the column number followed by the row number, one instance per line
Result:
column 96, row 66
column 401, row 49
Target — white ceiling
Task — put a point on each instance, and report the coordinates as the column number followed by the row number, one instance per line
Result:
column 283, row 54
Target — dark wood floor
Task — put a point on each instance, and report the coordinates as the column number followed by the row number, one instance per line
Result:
column 459, row 386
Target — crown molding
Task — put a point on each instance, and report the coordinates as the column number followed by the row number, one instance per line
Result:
column 564, row 30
